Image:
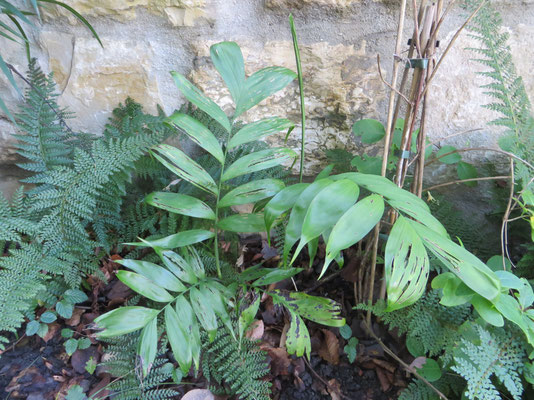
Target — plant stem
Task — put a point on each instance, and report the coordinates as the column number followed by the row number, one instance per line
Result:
column 301, row 90
column 216, row 238
column 485, row 178
column 387, row 139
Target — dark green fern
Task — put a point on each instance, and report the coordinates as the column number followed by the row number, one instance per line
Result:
column 236, row 368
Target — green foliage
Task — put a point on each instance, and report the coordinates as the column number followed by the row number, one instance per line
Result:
column 239, row 365
column 58, row 225
column 490, row 353
column 133, row 385
column 506, row 88
column 246, row 93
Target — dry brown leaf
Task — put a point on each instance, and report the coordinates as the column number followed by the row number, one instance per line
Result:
column 52, row 330
column 385, row 378
column 418, row 362
column 280, row 361
column 384, row 364
column 255, row 331
column 76, row 317
column 329, row 349
column 334, row 389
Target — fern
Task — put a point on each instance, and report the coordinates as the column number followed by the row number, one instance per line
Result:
column 433, row 325
column 506, row 87
column 58, row 226
column 496, row 352
column 45, row 142
column 123, row 362
column 239, row 365
column 418, row 390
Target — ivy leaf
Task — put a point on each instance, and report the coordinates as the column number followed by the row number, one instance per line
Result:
column 48, row 317
column 32, row 328
column 84, row 343
column 448, row 159
column 467, row 171
column 75, row 296
column 70, row 346
column 370, row 130
column 64, row 309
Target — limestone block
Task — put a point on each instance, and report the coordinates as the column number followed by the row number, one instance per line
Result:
column 8, row 154
column 121, row 10
column 101, row 78
column 285, row 4
column 456, row 98
column 59, row 47
column 14, row 54
column 178, row 12
column 341, row 86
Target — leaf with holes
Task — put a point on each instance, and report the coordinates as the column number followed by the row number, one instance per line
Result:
column 182, row 165
column 353, row 226
column 198, row 98
column 179, row 266
column 198, row 133
column 252, row 192
column 259, row 129
column 406, row 266
column 473, row 272
column 258, row 161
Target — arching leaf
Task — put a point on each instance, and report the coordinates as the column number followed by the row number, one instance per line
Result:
column 144, row 286
column 280, row 203
column 325, row 210
column 228, row 61
column 198, row 98
column 155, row 273
column 179, row 338
column 182, row 165
column 180, row 204
column 406, row 266
column 258, row 130
column 353, row 226
column 198, row 133
column 261, row 85
column 180, row 239
column 258, row 161
column 124, row 320
column 148, row 345
column 252, row 192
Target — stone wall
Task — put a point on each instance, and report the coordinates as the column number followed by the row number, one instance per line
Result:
column 145, row 39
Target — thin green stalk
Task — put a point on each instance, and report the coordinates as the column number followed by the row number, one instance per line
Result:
column 301, row 90
column 216, row 239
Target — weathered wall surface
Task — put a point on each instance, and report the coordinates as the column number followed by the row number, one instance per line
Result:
column 145, row 39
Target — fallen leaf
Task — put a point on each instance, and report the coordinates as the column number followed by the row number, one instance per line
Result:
column 118, row 291
column 80, row 357
column 255, row 331
column 198, row 394
column 280, row 361
column 98, row 391
column 329, row 350
column 334, row 389
column 385, row 381
column 52, row 330
column 384, row 364
column 76, row 317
